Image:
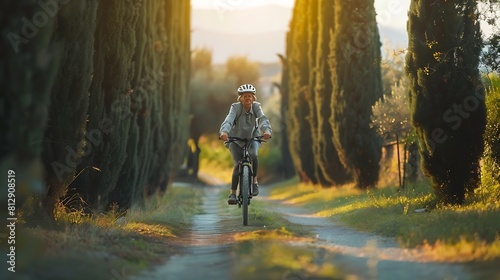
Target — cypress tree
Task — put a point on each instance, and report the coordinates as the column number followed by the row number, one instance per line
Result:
column 331, row 170
column 356, row 79
column 313, row 118
column 110, row 101
column 64, row 140
column 27, row 72
column 159, row 102
column 300, row 94
column 117, row 73
column 446, row 93
column 288, row 167
column 145, row 86
column 291, row 117
column 176, row 91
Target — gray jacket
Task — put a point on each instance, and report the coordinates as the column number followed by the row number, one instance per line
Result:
column 239, row 123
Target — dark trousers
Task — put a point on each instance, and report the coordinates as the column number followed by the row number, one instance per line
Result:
column 237, row 154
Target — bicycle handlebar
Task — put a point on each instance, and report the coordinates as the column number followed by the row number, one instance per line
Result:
column 245, row 140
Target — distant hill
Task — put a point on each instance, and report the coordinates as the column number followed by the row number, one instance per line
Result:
column 258, row 33
column 398, row 38
column 255, row 20
column 264, row 47
column 257, row 47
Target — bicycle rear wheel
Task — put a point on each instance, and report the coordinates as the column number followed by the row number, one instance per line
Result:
column 245, row 191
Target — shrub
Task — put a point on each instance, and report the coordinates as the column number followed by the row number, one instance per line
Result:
column 490, row 178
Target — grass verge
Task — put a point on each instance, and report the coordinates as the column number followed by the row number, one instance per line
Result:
column 465, row 233
column 110, row 246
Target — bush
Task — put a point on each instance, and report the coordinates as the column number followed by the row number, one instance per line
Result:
column 215, row 159
column 270, row 162
column 491, row 161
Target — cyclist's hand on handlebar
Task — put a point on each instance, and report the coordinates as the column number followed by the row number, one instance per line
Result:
column 223, row 137
column 267, row 136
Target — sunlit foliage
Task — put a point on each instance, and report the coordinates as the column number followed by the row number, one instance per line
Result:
column 243, row 70
column 490, row 176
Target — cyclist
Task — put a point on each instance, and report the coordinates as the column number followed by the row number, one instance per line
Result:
column 244, row 120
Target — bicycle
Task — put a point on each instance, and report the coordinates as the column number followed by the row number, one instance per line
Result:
column 245, row 174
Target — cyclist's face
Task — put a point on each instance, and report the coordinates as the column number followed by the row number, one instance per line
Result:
column 247, row 98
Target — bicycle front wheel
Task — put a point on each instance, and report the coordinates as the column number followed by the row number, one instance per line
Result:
column 245, row 191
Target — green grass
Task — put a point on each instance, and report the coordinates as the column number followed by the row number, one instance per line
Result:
column 174, row 210
column 469, row 232
column 106, row 246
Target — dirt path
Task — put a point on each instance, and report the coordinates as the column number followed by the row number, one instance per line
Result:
column 210, row 252
column 207, row 248
column 369, row 256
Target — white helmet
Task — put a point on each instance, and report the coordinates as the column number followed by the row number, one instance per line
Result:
column 246, row 88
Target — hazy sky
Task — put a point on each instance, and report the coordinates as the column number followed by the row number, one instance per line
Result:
column 238, row 4
column 389, row 12
column 391, row 17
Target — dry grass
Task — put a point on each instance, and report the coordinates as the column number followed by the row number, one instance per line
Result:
column 463, row 250
column 105, row 246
